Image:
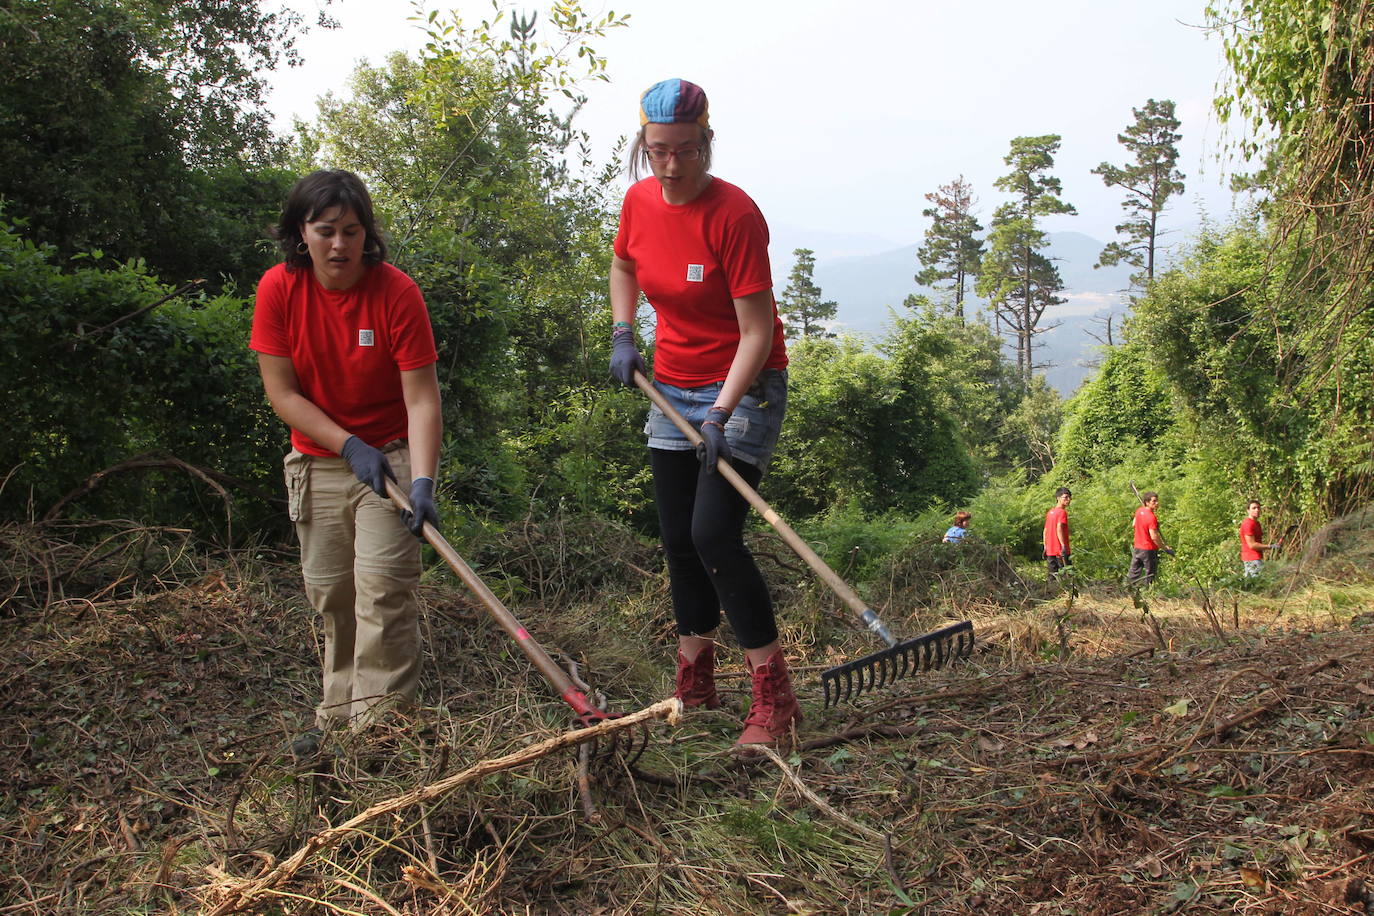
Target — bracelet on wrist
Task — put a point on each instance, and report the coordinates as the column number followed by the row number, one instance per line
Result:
column 622, row 324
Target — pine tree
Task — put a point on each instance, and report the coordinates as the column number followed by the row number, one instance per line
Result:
column 952, row 250
column 1149, row 182
column 801, row 305
column 1021, row 282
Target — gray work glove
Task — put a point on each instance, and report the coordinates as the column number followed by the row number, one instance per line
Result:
column 713, row 446
column 422, row 508
column 368, row 464
column 625, row 358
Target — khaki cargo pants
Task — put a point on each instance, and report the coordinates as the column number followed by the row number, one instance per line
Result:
column 362, row 570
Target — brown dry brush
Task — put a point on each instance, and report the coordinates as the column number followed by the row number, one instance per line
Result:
column 143, row 756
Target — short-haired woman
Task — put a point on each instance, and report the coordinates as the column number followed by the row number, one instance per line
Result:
column 347, row 359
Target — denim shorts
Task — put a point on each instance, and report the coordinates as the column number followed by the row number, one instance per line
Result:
column 753, row 428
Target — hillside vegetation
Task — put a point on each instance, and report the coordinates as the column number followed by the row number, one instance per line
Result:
column 1200, row 745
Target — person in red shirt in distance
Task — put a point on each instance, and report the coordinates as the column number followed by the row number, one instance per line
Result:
column 697, row 247
column 1056, row 536
column 1147, row 543
column 1252, row 546
column 347, row 359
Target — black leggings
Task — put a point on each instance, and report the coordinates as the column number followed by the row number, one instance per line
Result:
column 702, row 521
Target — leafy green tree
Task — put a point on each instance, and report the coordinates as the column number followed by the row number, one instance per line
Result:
column 952, row 250
column 802, row 310
column 137, row 129
column 1020, row 281
column 1149, row 182
column 969, row 379
column 863, row 431
column 1125, row 406
column 1031, row 430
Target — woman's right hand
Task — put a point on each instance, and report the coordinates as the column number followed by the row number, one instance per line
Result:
column 625, row 359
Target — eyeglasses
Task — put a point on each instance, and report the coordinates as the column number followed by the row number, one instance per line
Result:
column 687, row 154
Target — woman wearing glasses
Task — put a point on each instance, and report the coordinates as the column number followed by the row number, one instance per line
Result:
column 697, row 247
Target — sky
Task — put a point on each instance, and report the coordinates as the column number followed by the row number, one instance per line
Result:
column 838, row 117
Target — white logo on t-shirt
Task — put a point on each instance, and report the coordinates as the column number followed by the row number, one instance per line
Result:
column 365, row 338
column 695, row 272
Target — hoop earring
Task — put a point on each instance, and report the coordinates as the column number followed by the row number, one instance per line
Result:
column 302, row 248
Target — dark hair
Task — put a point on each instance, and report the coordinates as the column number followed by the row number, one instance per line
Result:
column 638, row 159
column 1253, row 502
column 1148, row 495
column 961, row 518
column 1062, row 491
column 316, row 193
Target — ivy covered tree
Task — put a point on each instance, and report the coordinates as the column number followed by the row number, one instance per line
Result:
column 803, row 311
column 952, row 250
column 1021, row 282
column 1149, row 182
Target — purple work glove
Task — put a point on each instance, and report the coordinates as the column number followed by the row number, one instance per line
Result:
column 713, row 446
column 422, row 507
column 368, row 463
column 625, row 358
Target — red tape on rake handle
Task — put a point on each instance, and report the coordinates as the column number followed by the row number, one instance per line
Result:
column 587, row 714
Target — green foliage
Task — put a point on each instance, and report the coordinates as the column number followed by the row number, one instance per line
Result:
column 177, row 379
column 1127, row 405
column 1231, row 340
column 146, row 138
column 970, row 381
column 1021, row 282
column 952, row 251
column 856, row 544
column 466, row 154
column 1279, row 51
column 800, row 303
column 1149, row 182
column 864, row 431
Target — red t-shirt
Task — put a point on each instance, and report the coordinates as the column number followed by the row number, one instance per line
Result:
column 1144, row 521
column 692, row 261
column 348, row 347
column 1053, row 518
column 1251, row 526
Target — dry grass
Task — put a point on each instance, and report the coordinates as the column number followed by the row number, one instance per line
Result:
column 1058, row 772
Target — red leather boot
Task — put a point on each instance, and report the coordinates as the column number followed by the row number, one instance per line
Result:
column 774, row 707
column 696, row 680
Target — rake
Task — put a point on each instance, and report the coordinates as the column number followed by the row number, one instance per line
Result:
column 899, row 659
column 585, row 713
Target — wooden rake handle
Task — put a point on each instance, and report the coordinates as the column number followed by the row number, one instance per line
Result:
column 794, row 540
column 546, row 666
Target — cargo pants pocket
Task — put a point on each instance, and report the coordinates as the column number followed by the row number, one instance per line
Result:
column 297, row 469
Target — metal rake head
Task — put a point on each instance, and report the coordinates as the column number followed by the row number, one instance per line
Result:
column 933, row 650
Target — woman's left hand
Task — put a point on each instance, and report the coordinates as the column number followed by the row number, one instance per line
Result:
column 422, row 508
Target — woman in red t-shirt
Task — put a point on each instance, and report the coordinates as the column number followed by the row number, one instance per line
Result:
column 697, row 247
column 347, row 359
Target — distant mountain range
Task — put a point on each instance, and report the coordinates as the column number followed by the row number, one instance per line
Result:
column 871, row 288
